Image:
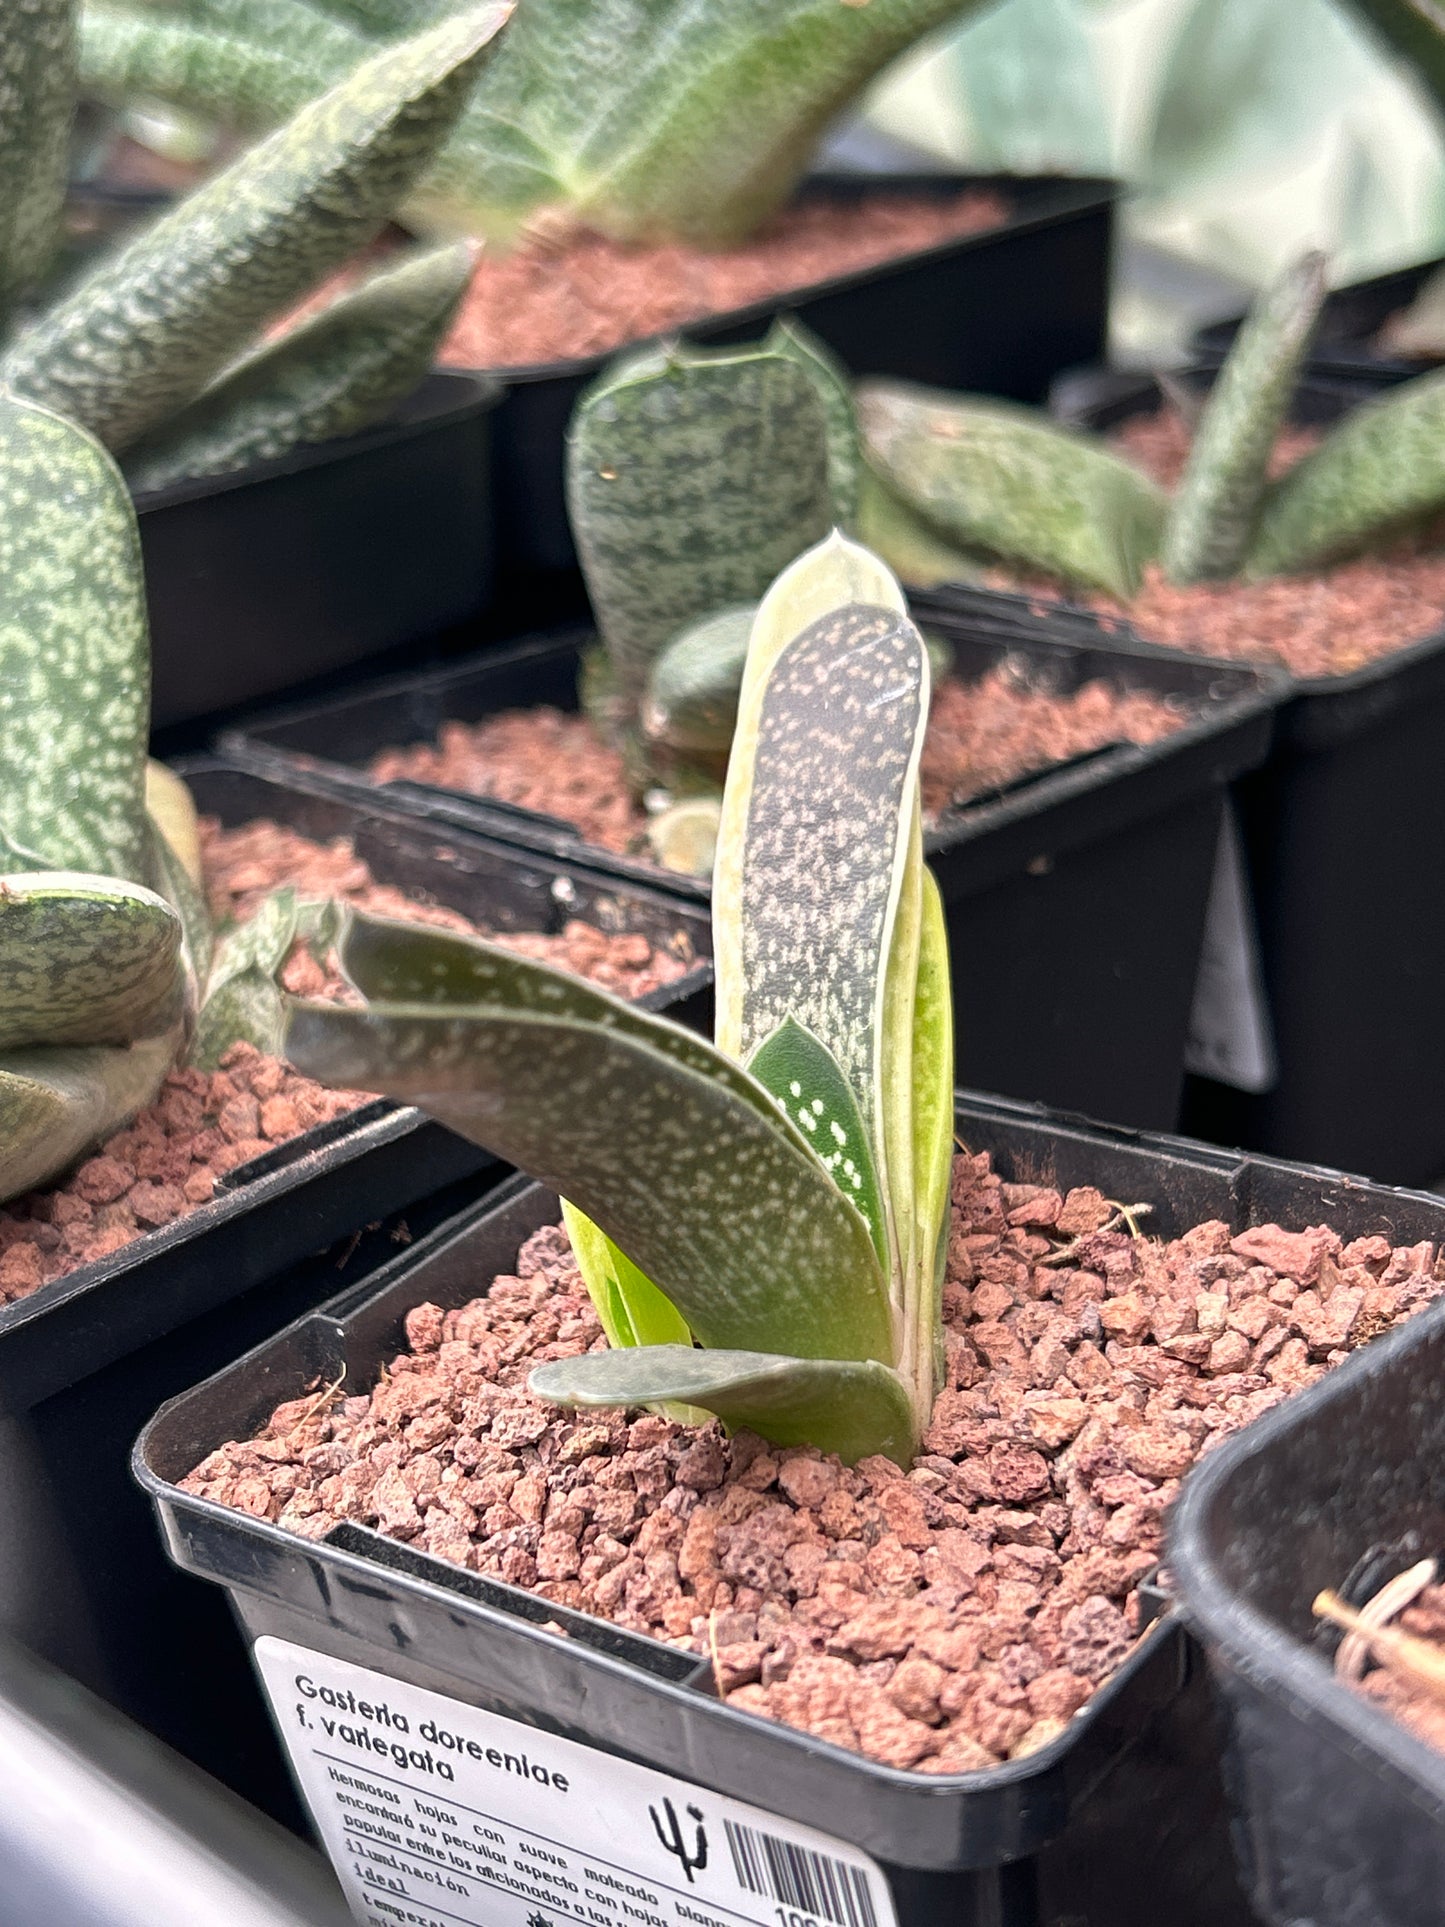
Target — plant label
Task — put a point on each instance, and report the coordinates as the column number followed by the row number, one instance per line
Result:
column 437, row 1814
column 1230, row 1038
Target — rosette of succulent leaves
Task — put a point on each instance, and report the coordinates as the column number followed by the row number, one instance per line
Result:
column 761, row 1222
column 693, row 476
column 673, row 119
column 1005, row 483
column 158, row 349
column 109, row 969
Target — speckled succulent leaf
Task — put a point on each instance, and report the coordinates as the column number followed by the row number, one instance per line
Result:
column 149, row 327
column 85, row 960
column 172, row 809
column 830, row 576
column 691, row 699
column 336, row 374
column 1216, row 504
column 991, row 476
column 811, row 1090
column 74, row 653
column 329, row 45
column 834, row 389
column 245, row 1007
column 1381, row 469
column 691, row 480
column 389, row 17
column 57, row 1102
column 37, row 99
column 170, row 879
column 932, row 1117
column 128, row 53
column 262, row 942
column 917, row 555
column 671, row 1149
column 632, row 1310
column 840, row 1406
column 691, row 118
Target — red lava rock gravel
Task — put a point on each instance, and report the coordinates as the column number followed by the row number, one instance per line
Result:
column 1325, row 624
column 169, row 1159
column 945, row 1618
column 981, row 735
column 551, row 300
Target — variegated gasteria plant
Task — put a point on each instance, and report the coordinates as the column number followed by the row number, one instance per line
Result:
column 155, row 350
column 760, row 1221
column 1004, row 483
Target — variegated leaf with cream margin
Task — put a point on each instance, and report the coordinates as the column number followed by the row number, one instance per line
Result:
column 144, row 332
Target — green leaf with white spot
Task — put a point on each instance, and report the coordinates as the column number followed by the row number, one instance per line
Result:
column 916, row 553
column 154, row 322
column 669, row 1147
column 632, row 1310
column 991, row 476
column 243, row 1001
column 74, row 654
column 37, row 100
column 692, row 477
column 834, row 390
column 85, row 960
column 811, row 1090
column 337, row 373
column 841, row 1406
column 56, row 1102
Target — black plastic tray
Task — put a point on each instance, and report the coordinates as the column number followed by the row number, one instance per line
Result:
column 1344, row 833
column 1076, row 897
column 1343, row 1821
column 293, row 568
column 1064, row 1836
column 1002, row 311
column 1344, row 340
column 85, row 1360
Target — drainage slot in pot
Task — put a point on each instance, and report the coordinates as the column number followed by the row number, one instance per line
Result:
column 662, row 1662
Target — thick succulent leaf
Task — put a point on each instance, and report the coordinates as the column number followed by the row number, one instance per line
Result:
column 838, row 1405
column 895, row 1057
column 329, row 46
column 989, row 475
column 669, row 1147
column 691, row 700
column 243, row 1001
column 834, row 389
column 57, row 1103
column 85, row 960
column 683, row 837
column 74, row 653
column 170, row 879
column 810, row 1089
column 337, row 373
column 831, row 780
column 172, row 810
column 692, row 478
column 916, row 553
column 632, row 1310
column 388, row 17
column 1382, row 468
column 37, row 98
column 246, row 1007
column 1030, row 89
column 1216, row 504
column 690, row 118
column 1416, row 29
column 249, row 84
column 932, row 1119
column 151, row 325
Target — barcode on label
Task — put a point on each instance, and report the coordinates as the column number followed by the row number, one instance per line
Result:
column 800, row 1877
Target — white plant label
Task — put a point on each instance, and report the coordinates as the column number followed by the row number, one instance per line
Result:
column 1229, row 1029
column 436, row 1814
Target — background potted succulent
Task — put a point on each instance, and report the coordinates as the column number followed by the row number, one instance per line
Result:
column 636, row 180
column 895, row 1644
column 198, row 411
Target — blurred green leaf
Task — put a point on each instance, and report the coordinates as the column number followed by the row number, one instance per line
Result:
column 1030, row 88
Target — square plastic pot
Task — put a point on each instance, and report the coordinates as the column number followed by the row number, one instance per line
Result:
column 1076, row 897
column 1119, row 1821
column 1002, row 312
column 1341, row 1810
column 85, row 1360
column 1342, row 828
column 297, row 568
column 1343, row 347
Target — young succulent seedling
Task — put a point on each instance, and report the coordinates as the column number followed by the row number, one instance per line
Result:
column 1011, row 485
column 681, row 119
column 143, row 352
column 761, row 1220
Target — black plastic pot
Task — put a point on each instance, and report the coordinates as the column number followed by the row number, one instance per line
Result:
column 1118, row 1823
column 1344, row 837
column 1076, row 897
column 1342, row 1810
column 1002, row 312
column 85, row 1360
column 1343, row 346
column 290, row 569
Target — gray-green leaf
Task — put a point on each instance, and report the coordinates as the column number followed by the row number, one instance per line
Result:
column 56, row 1103
column 691, row 700
column 85, row 960
column 37, row 99
column 841, row 1406
column 834, row 390
column 248, row 84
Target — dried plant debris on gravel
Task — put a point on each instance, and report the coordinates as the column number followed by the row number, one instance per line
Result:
column 943, row 1619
